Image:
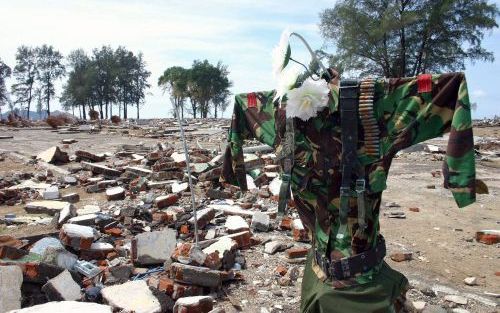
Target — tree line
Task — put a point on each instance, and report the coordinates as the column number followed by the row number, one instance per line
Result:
column 205, row 85
column 98, row 81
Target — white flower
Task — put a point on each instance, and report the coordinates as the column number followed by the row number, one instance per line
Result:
column 280, row 52
column 286, row 81
column 307, row 100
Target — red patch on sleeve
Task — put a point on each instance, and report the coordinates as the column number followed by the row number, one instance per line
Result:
column 424, row 82
column 252, row 100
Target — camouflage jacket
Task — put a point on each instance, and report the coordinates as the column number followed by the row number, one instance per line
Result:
column 405, row 114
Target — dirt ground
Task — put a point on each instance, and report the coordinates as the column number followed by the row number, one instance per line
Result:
column 440, row 235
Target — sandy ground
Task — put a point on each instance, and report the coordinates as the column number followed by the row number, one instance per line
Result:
column 440, row 235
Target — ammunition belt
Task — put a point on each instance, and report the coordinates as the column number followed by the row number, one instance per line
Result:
column 367, row 117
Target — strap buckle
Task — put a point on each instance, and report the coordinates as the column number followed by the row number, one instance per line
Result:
column 360, row 186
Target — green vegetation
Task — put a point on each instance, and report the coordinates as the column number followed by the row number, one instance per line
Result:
column 397, row 38
column 206, row 85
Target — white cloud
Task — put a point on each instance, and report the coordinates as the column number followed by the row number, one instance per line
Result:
column 478, row 93
column 239, row 33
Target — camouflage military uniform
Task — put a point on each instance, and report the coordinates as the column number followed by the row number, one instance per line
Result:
column 407, row 111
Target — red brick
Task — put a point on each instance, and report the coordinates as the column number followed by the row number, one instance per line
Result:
column 115, row 232
column 286, row 223
column 281, row 270
column 414, row 209
column 298, row 252
column 184, row 229
column 165, row 201
column 488, row 238
column 401, row 256
column 198, row 305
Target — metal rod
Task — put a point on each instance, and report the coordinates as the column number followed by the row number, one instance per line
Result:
column 313, row 54
column 188, row 164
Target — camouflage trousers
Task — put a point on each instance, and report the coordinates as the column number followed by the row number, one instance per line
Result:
column 385, row 294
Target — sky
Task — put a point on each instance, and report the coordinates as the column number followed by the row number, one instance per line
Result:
column 240, row 33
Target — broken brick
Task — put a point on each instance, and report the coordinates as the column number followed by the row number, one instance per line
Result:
column 165, row 201
column 297, row 252
column 198, row 304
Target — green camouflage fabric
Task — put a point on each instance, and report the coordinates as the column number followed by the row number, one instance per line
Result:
column 404, row 116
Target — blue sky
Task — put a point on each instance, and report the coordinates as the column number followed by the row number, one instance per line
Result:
column 240, row 33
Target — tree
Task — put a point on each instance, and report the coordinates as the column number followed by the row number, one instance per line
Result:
column 206, row 84
column 221, row 91
column 25, row 73
column 5, row 72
column 175, row 81
column 50, row 69
column 77, row 92
column 397, row 38
column 140, row 83
column 106, row 78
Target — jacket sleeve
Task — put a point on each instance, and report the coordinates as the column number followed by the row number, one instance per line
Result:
column 425, row 107
column 254, row 116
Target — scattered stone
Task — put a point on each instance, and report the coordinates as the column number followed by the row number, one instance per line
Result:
column 51, row 193
column 133, row 296
column 198, row 304
column 419, row 306
column 76, row 236
column 235, row 224
column 87, row 156
column 226, row 249
column 260, row 221
column 166, row 201
column 49, row 207
column 43, row 244
column 204, row 217
column 154, row 247
column 89, row 209
column 62, row 288
column 71, row 197
column 299, row 231
column 456, row 299
column 115, row 193
column 101, row 169
column 11, row 279
column 401, row 256
column 196, row 275
column 414, row 210
column 395, row 214
column 273, row 246
column 470, row 281
column 176, row 187
column 66, row 306
column 53, row 155
column 70, row 180
column 459, row 310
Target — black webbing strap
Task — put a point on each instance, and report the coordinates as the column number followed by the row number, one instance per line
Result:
column 348, row 102
column 349, row 94
column 348, row 267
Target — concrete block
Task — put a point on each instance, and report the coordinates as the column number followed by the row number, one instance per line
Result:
column 11, row 279
column 154, row 247
column 133, row 296
column 62, row 288
column 197, row 304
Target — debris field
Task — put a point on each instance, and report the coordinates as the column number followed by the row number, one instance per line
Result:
column 100, row 219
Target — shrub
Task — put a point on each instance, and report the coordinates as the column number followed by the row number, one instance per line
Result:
column 55, row 121
column 115, row 119
column 94, row 115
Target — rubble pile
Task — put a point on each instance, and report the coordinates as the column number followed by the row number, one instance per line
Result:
column 141, row 239
column 133, row 249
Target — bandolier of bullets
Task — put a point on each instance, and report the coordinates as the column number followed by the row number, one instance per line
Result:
column 370, row 126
